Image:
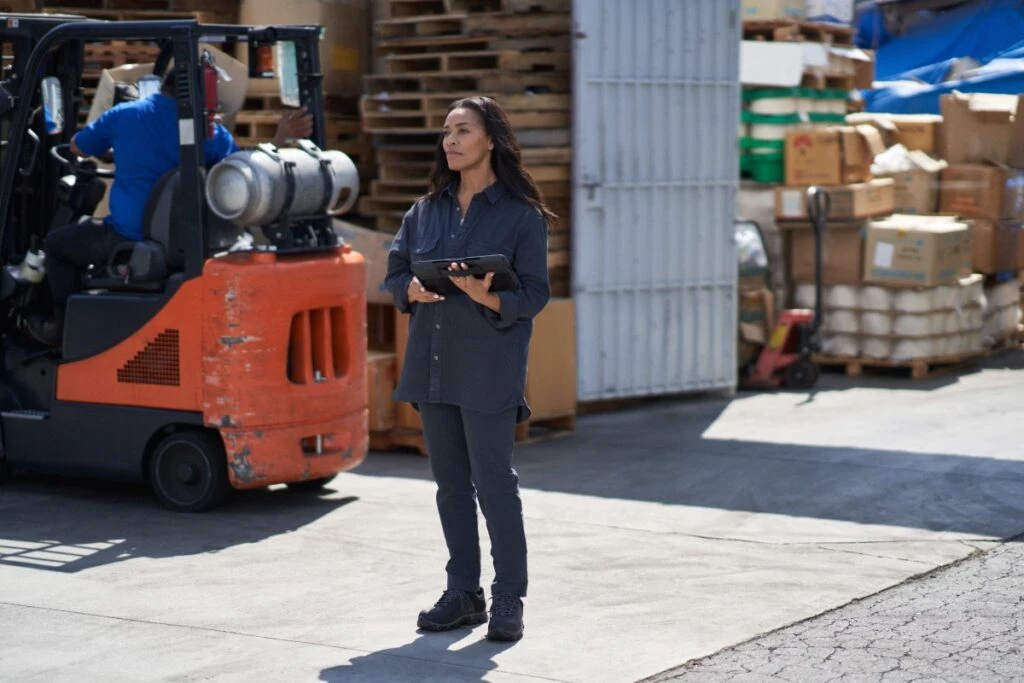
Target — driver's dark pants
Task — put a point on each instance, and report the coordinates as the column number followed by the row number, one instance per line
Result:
column 72, row 249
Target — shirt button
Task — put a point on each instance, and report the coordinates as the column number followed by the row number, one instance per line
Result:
column 437, row 326
column 452, row 236
column 435, row 357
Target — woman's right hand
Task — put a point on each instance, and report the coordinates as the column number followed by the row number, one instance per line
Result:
column 417, row 293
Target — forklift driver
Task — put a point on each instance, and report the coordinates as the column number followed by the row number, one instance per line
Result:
column 143, row 137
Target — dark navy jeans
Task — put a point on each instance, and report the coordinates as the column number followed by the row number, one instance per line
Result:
column 471, row 457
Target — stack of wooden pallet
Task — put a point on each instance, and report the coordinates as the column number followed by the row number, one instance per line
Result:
column 436, row 51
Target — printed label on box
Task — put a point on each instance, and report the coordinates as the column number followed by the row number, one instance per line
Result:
column 792, row 204
column 884, row 251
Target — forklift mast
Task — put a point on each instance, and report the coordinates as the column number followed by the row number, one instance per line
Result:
column 53, row 45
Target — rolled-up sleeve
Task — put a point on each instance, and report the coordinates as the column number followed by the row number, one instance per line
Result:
column 530, row 262
column 399, row 272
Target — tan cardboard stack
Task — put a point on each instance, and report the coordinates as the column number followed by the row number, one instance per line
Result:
column 430, row 53
column 935, row 282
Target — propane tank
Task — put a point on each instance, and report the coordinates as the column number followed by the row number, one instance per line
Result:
column 259, row 186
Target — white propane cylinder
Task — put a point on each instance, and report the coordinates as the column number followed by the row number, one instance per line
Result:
column 251, row 187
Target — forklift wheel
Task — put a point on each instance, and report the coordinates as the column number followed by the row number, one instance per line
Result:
column 311, row 485
column 801, row 374
column 188, row 471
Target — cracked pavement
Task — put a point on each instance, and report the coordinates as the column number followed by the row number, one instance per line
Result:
column 960, row 623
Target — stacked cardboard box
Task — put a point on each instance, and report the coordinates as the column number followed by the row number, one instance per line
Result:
column 796, row 74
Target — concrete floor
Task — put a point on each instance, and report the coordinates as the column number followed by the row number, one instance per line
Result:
column 657, row 536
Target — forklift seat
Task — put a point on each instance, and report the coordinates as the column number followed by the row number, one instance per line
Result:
column 145, row 264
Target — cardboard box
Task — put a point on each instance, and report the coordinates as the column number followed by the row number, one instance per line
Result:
column 784, row 64
column 406, row 416
column 980, row 128
column 994, row 246
column 381, row 380
column 344, row 48
column 374, row 245
column 841, row 10
column 921, row 132
column 973, row 191
column 842, row 252
column 917, row 251
column 769, row 10
column 917, row 191
column 831, row 156
column 862, row 200
column 551, row 371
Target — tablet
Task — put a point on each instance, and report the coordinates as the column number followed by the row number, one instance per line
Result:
column 434, row 274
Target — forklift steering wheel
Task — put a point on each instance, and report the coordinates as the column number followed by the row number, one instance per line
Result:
column 78, row 165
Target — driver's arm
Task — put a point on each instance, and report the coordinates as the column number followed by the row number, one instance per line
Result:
column 108, row 156
column 97, row 138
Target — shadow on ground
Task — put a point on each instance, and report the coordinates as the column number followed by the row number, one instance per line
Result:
column 659, row 453
column 406, row 663
column 116, row 522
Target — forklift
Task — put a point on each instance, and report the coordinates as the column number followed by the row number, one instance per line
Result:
column 198, row 360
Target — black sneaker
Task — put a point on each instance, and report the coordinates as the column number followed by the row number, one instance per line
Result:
column 506, row 618
column 455, row 609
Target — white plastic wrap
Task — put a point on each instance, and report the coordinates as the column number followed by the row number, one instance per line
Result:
column 1002, row 295
column 876, row 347
column 834, row 296
column 948, row 345
column 972, row 291
column 917, row 300
column 876, row 299
column 913, row 349
column 841, row 322
column 876, row 324
column 1001, row 323
column 845, row 345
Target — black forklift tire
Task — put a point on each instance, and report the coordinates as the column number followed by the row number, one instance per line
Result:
column 311, row 485
column 188, row 471
column 801, row 374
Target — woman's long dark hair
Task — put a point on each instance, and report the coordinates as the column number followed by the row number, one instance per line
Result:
column 506, row 158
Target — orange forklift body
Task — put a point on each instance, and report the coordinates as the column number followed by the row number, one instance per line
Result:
column 267, row 348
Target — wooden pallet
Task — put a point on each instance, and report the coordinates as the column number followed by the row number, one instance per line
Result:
column 490, row 23
column 822, row 81
column 480, row 81
column 466, row 43
column 333, row 104
column 426, row 104
column 798, row 31
column 406, row 122
column 532, row 431
column 919, row 368
column 457, row 64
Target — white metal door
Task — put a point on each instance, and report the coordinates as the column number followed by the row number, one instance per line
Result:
column 656, row 108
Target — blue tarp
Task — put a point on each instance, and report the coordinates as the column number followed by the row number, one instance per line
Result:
column 980, row 30
column 907, row 97
column 916, row 63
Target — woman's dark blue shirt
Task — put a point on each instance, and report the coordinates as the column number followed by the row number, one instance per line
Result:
column 459, row 352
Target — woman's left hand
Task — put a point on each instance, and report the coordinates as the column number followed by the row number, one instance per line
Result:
column 475, row 288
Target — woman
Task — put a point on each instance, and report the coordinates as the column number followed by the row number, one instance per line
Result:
column 465, row 363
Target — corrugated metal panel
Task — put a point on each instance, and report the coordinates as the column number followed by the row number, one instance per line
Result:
column 655, row 177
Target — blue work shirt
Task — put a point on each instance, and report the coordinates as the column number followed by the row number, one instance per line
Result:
column 144, row 137
column 459, row 352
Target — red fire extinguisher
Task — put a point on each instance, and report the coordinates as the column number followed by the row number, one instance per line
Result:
column 209, row 91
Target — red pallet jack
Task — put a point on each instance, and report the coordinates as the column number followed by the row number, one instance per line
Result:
column 787, row 359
